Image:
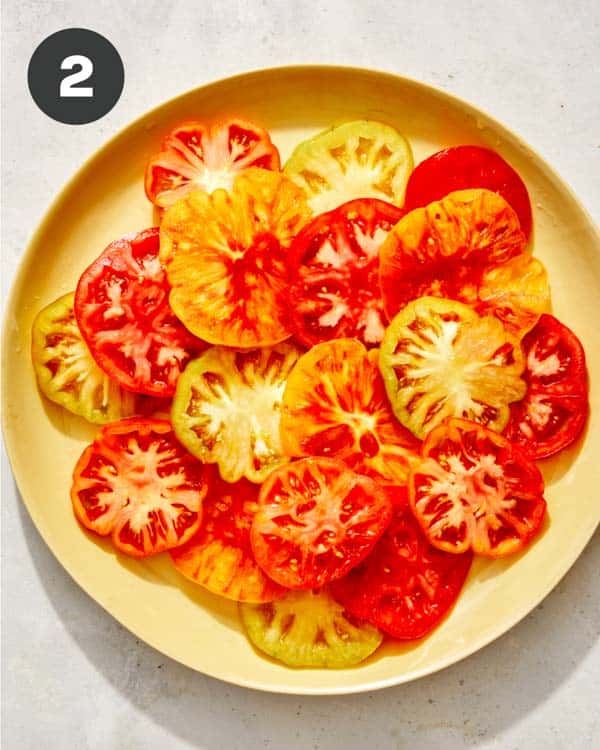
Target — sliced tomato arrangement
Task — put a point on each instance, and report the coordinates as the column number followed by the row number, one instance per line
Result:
column 440, row 359
column 137, row 484
column 122, row 309
column 219, row 556
column 476, row 490
column 316, row 520
column 226, row 257
column 464, row 167
column 195, row 156
column 360, row 159
column 554, row 411
column 335, row 273
column 405, row 586
column 335, row 405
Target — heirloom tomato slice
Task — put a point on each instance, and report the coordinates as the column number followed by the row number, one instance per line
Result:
column 66, row 371
column 227, row 409
column 335, row 273
column 195, row 156
column 335, row 405
column 219, row 557
column 440, row 359
column 122, row 308
column 443, row 250
column 464, row 167
column 554, row 411
column 309, row 629
column 316, row 519
column 405, row 586
column 359, row 159
column 226, row 257
column 474, row 489
column 137, row 484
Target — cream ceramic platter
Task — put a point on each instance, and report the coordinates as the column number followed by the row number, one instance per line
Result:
column 105, row 199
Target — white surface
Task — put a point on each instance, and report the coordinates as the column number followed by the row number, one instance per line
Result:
column 72, row 677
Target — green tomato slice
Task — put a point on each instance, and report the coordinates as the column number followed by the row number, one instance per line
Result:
column 66, row 372
column 227, row 409
column 360, row 159
column 440, row 359
column 309, row 629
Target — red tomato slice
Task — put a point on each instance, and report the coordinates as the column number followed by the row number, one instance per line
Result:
column 462, row 167
column 555, row 408
column 475, row 489
column 405, row 586
column 197, row 157
column 137, row 484
column 316, row 520
column 335, row 273
column 122, row 309
column 219, row 557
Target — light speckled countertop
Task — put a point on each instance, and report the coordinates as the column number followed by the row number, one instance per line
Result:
column 75, row 679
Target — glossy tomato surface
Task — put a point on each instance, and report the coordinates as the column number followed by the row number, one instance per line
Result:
column 316, row 520
column 136, row 483
column 555, row 408
column 405, row 586
column 122, row 308
column 335, row 273
column 475, row 490
column 464, row 167
column 196, row 156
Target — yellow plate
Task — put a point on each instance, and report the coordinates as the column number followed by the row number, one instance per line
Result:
column 106, row 199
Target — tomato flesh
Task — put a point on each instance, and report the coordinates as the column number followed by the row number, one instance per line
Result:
column 122, row 309
column 137, row 484
column 555, row 408
column 405, row 586
column 316, row 519
column 463, row 167
column 335, row 273
column 473, row 489
column 195, row 156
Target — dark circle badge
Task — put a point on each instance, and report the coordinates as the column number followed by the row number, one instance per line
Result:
column 75, row 76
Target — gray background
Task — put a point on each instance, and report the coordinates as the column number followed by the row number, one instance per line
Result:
column 72, row 677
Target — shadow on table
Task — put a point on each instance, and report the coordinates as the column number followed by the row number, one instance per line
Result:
column 481, row 697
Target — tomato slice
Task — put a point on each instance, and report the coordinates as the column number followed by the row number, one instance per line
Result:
column 405, row 586
column 359, row 159
column 316, row 520
column 195, row 156
column 122, row 309
column 474, row 489
column 226, row 257
column 335, row 273
column 137, row 484
column 554, row 411
column 219, row 557
column 335, row 405
column 227, row 409
column 309, row 629
column 444, row 249
column 463, row 167
column 66, row 371
column 439, row 359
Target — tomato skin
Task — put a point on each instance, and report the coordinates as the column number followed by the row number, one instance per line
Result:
column 195, row 156
column 128, row 463
column 405, row 586
column 555, row 409
column 476, row 490
column 122, row 308
column 335, row 273
column 316, row 520
column 464, row 167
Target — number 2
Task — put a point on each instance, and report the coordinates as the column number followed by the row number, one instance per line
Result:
column 67, row 85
